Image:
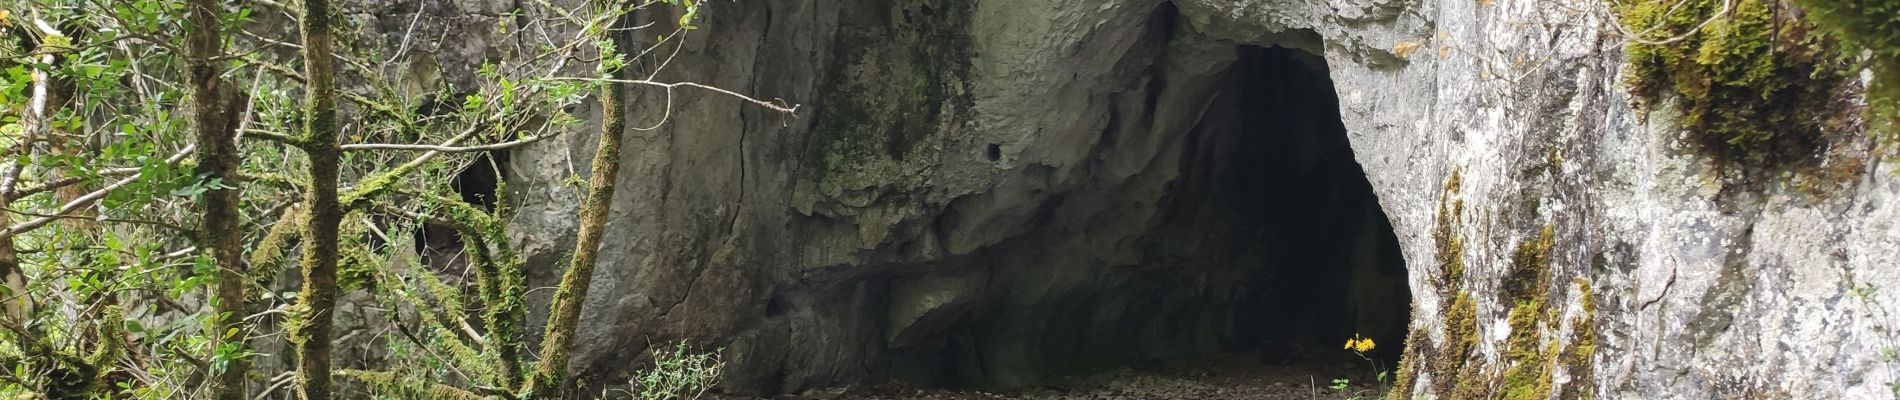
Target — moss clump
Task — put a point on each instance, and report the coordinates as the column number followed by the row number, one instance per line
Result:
column 1402, row 383
column 358, row 266
column 69, row 377
column 1451, row 246
column 1530, row 268
column 1450, row 372
column 1471, row 383
column 1583, row 345
column 267, row 255
column 1530, row 380
column 1461, row 338
column 1528, row 375
column 1755, row 83
column 1871, row 27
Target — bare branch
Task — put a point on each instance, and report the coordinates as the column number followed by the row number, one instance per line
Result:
column 1637, row 37
column 360, row 100
column 273, row 4
column 377, row 184
column 162, row 224
column 775, row 105
column 87, row 199
column 448, row 149
column 277, row 382
column 273, row 136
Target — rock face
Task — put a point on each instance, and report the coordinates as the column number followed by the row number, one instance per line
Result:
column 987, row 193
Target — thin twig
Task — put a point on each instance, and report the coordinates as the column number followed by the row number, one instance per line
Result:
column 1637, row 37
column 276, row 382
column 776, row 105
column 407, row 35
column 272, row 136
column 88, row 198
column 161, row 224
column 447, row 149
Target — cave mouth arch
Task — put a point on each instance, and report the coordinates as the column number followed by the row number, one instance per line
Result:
column 1267, row 241
column 1282, row 166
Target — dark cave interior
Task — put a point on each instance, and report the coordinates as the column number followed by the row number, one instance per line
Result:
column 1270, row 243
column 1283, row 170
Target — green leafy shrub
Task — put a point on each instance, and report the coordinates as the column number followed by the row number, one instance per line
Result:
column 678, row 373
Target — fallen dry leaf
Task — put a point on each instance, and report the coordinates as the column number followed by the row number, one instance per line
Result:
column 1404, row 49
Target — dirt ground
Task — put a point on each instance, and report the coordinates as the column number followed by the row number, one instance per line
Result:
column 1214, row 378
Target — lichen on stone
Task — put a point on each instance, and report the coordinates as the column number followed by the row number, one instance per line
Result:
column 893, row 86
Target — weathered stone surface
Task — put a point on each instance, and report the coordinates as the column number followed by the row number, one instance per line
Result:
column 990, row 192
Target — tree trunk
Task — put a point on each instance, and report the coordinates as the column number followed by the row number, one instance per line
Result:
column 550, row 377
column 323, row 215
column 19, row 303
column 501, row 293
column 16, row 304
column 215, row 116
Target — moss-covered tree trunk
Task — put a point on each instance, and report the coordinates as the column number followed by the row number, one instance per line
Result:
column 60, row 376
column 215, row 114
column 323, row 214
column 46, row 96
column 500, row 288
column 17, row 305
column 550, row 377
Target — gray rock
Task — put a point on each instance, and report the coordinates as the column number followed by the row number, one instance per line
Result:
column 989, row 193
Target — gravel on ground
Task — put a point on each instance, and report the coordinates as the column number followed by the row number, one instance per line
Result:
column 1212, row 378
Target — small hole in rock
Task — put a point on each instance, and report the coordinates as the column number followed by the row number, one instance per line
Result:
column 775, row 306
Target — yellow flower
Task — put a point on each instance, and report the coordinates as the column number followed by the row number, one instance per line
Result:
column 1359, row 344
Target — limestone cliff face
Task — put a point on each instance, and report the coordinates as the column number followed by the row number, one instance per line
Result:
column 989, row 192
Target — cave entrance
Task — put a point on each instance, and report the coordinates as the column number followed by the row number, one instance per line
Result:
column 1260, row 238
column 1274, row 174
column 1273, row 226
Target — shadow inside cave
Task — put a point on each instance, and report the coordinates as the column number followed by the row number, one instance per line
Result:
column 1268, row 241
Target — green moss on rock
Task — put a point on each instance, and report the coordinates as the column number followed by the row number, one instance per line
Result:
column 1529, row 373
column 1451, row 246
column 1755, row 83
column 1450, row 372
column 1871, row 27
column 1451, row 375
column 1530, row 268
column 1404, row 379
column 1471, row 382
column 1583, row 344
column 1530, row 379
column 1531, row 357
